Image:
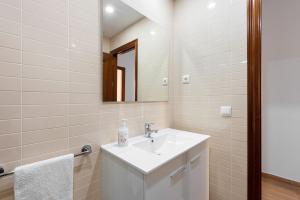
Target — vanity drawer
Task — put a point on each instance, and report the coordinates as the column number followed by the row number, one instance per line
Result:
column 167, row 182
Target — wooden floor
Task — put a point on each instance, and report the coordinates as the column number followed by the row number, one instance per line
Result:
column 278, row 190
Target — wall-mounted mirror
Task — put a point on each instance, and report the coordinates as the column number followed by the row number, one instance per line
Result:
column 135, row 55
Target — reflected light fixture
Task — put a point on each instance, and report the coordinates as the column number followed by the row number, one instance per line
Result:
column 211, row 5
column 109, row 9
column 152, row 32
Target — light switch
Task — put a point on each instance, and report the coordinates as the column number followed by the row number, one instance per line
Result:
column 165, row 81
column 186, row 79
column 226, row 111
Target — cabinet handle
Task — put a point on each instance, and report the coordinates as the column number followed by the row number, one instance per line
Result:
column 178, row 171
column 195, row 159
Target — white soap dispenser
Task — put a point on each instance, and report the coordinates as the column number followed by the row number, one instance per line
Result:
column 123, row 133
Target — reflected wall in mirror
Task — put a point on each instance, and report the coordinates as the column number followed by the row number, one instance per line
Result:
column 135, row 55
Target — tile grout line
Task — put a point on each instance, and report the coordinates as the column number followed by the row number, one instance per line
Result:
column 21, row 37
column 68, row 72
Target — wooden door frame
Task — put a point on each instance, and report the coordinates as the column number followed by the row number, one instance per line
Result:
column 133, row 45
column 254, row 99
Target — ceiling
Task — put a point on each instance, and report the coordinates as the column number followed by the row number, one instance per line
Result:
column 120, row 19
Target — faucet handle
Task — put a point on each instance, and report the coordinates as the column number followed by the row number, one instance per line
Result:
column 148, row 124
column 1, row 170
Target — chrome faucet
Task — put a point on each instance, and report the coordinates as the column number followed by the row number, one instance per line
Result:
column 148, row 130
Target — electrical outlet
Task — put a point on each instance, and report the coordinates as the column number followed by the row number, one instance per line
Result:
column 186, row 79
column 165, row 81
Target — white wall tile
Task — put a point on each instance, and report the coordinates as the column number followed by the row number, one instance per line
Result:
column 30, row 124
column 44, row 61
column 44, row 147
column 48, row 49
column 36, row 72
column 44, row 135
column 42, row 98
column 10, row 69
column 10, row 55
column 10, row 27
column 10, row 41
column 10, row 112
column 10, row 98
column 36, row 85
column 50, row 95
column 10, row 126
column 10, row 83
column 10, row 154
column 41, row 10
column 33, row 20
column 14, row 3
column 210, row 44
column 10, row 13
column 31, row 111
column 44, row 36
column 10, row 141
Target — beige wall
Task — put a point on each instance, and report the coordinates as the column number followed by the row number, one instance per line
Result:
column 280, row 89
column 106, row 45
column 50, row 96
column 211, row 46
column 153, row 57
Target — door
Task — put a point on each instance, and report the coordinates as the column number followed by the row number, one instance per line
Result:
column 109, row 77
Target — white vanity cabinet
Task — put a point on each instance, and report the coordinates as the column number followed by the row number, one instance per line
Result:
column 198, row 173
column 185, row 177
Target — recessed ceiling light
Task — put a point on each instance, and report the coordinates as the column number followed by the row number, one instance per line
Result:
column 152, row 32
column 109, row 9
column 211, row 5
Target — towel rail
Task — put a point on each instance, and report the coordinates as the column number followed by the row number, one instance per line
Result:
column 86, row 149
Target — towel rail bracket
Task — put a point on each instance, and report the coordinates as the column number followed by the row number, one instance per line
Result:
column 86, row 149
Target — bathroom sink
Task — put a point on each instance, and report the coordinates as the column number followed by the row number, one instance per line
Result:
column 161, row 145
column 148, row 154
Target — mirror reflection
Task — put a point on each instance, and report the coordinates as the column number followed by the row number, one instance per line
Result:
column 135, row 55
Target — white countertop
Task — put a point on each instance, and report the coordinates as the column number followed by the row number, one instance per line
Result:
column 172, row 143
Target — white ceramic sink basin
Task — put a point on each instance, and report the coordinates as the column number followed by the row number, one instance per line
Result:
column 147, row 154
column 161, row 145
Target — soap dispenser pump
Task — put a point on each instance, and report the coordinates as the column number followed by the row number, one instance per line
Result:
column 123, row 133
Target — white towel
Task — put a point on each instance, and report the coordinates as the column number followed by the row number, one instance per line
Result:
column 50, row 179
